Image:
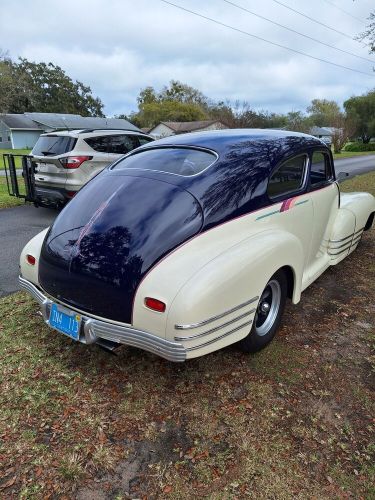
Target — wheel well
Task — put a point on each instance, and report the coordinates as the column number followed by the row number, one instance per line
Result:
column 289, row 273
column 369, row 222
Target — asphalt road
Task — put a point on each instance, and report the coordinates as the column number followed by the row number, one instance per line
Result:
column 19, row 224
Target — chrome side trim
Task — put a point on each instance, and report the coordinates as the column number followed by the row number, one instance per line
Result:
column 216, row 328
column 248, row 323
column 95, row 329
column 341, row 251
column 347, row 237
column 340, row 246
column 214, row 318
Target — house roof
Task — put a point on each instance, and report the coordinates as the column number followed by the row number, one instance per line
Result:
column 39, row 121
column 64, row 121
column 180, row 127
column 20, row 122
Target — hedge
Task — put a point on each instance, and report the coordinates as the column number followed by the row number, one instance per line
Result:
column 359, row 146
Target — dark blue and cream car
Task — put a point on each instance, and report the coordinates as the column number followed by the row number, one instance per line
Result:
column 194, row 242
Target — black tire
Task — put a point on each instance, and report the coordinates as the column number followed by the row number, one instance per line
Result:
column 265, row 324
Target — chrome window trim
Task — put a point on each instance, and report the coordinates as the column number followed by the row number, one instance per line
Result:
column 175, row 146
column 284, row 196
column 214, row 318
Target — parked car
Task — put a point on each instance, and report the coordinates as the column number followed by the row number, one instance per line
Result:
column 194, row 242
column 66, row 160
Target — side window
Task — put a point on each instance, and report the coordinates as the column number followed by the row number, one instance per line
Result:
column 320, row 168
column 288, row 177
column 122, row 144
column 99, row 144
column 144, row 140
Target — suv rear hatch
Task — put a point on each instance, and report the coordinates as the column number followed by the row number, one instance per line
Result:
column 47, row 152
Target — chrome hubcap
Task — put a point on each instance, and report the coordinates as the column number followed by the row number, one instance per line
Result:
column 268, row 308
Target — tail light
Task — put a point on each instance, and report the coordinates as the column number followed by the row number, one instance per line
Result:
column 30, row 259
column 155, row 304
column 74, row 161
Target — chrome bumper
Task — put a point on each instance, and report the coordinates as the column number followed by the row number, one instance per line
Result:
column 93, row 330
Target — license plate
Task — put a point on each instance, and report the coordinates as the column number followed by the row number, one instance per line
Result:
column 65, row 321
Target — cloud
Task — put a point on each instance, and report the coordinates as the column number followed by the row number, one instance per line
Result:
column 120, row 46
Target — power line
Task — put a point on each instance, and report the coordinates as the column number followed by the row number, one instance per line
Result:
column 263, row 39
column 314, row 20
column 345, row 11
column 298, row 32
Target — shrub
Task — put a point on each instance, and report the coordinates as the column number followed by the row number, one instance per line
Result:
column 360, row 146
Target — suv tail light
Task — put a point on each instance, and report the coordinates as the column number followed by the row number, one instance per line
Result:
column 74, row 161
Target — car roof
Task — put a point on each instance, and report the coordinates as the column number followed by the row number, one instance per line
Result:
column 93, row 132
column 221, row 140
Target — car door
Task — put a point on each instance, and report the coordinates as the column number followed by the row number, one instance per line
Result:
column 287, row 185
column 100, row 159
column 325, row 198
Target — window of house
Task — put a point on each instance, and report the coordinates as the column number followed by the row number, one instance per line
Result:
column 320, row 168
column 288, row 177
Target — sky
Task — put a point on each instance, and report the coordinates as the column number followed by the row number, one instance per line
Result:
column 118, row 47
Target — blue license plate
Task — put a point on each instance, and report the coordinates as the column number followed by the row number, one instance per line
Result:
column 67, row 322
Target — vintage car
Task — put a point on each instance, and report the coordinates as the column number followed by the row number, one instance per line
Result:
column 194, row 242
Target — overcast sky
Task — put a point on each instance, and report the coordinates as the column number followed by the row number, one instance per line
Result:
column 120, row 46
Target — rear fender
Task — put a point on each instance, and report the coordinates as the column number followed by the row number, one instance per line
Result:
column 33, row 247
column 236, row 276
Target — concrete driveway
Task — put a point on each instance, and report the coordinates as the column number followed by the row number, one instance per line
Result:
column 18, row 225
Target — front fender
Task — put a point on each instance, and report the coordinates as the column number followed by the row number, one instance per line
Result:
column 362, row 205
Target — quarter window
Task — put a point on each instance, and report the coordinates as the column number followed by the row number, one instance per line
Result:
column 288, row 177
column 122, row 144
column 320, row 168
column 99, row 144
column 144, row 140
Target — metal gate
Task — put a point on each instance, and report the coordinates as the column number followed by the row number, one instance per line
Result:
column 26, row 190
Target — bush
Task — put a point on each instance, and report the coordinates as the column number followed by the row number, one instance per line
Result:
column 360, row 146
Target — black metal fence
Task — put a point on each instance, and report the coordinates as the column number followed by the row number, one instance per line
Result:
column 21, row 188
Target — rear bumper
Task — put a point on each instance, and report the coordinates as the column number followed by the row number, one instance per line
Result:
column 51, row 194
column 93, row 330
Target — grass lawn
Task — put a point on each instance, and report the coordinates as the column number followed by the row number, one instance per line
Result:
column 350, row 154
column 15, row 152
column 7, row 201
column 294, row 421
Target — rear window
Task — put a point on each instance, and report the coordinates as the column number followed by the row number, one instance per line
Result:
column 180, row 161
column 53, row 145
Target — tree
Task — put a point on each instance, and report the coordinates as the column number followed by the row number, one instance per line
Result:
column 151, row 114
column 369, row 34
column 298, row 122
column 323, row 112
column 28, row 86
column 344, row 128
column 361, row 111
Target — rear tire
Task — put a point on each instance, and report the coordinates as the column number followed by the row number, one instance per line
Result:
column 268, row 315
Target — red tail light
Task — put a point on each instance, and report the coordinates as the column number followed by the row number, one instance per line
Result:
column 74, row 161
column 155, row 304
column 30, row 259
column 70, row 194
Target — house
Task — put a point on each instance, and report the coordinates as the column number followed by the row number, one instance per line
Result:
column 165, row 129
column 323, row 133
column 21, row 131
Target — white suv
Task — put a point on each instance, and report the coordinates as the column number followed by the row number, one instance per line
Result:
column 65, row 161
